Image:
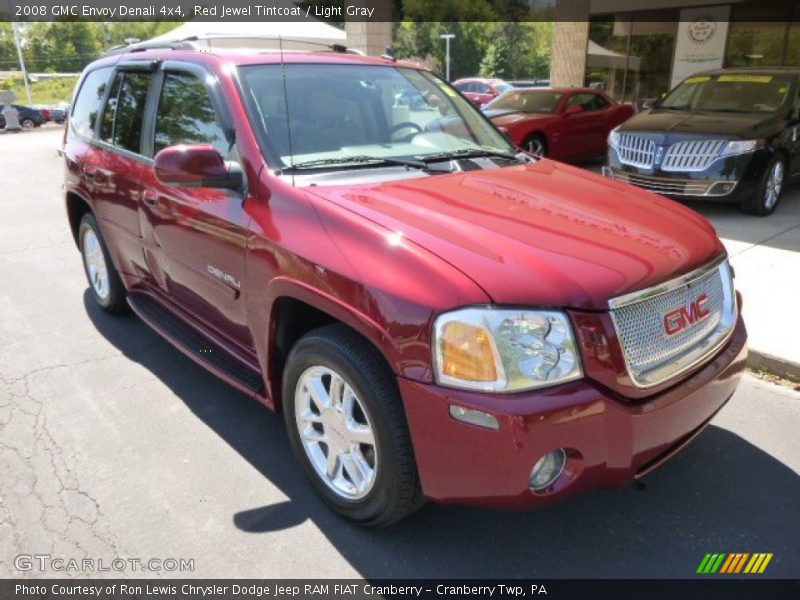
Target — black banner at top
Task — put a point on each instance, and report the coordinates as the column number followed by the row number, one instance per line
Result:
column 339, row 11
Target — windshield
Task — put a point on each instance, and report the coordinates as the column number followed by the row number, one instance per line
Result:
column 322, row 114
column 531, row 102
column 503, row 87
column 750, row 93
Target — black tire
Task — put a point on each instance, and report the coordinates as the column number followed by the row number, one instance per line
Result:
column 396, row 490
column 27, row 124
column 535, row 144
column 114, row 302
column 758, row 204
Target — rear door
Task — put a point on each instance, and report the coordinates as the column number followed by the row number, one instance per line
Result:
column 113, row 163
column 194, row 239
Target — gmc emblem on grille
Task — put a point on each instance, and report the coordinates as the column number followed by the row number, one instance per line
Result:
column 680, row 318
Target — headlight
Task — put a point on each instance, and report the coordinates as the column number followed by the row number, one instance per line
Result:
column 504, row 350
column 741, row 147
column 613, row 137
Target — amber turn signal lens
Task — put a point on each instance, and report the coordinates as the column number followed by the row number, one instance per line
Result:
column 466, row 352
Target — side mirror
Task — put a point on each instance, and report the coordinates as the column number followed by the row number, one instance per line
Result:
column 573, row 110
column 195, row 166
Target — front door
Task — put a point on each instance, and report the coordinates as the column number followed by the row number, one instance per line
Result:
column 194, row 239
column 583, row 133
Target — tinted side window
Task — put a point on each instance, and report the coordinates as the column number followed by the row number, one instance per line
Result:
column 87, row 104
column 186, row 115
column 586, row 101
column 124, row 114
column 598, row 102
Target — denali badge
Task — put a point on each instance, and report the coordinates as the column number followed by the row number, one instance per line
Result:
column 226, row 277
column 680, row 318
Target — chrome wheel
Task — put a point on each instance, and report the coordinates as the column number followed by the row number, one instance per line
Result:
column 335, row 432
column 27, row 124
column 535, row 146
column 95, row 262
column 772, row 190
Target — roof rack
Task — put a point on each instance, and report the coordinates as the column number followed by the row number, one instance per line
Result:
column 191, row 43
column 142, row 46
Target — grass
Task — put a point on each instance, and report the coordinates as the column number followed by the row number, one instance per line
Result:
column 48, row 91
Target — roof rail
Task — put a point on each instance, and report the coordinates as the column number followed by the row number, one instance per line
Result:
column 278, row 39
column 142, row 46
column 191, row 43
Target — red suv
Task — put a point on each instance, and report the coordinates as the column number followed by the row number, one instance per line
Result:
column 436, row 314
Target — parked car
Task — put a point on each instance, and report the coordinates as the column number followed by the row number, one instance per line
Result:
column 436, row 314
column 58, row 114
column 28, row 117
column 480, row 90
column 45, row 112
column 567, row 124
column 729, row 135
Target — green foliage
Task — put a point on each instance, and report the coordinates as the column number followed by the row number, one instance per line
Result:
column 49, row 91
column 67, row 47
column 510, row 50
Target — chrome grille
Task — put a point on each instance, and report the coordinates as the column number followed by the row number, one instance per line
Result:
column 651, row 354
column 692, row 156
column 674, row 187
column 636, row 150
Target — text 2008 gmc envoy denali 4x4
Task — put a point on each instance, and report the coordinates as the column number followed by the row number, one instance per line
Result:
column 436, row 314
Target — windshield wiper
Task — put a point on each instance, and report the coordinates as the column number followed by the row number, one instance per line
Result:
column 360, row 159
column 466, row 153
column 723, row 110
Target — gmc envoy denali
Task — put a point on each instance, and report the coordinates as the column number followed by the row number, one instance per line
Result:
column 436, row 314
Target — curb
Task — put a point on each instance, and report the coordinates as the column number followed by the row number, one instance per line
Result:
column 761, row 361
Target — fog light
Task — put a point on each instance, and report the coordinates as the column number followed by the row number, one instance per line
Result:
column 722, row 188
column 547, row 469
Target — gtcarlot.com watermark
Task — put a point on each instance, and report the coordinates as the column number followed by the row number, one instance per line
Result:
column 62, row 564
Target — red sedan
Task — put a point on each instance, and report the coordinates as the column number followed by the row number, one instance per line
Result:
column 566, row 124
column 479, row 90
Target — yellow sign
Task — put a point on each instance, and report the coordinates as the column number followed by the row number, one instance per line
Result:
column 746, row 78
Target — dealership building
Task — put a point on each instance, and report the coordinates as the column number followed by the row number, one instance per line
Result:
column 637, row 54
column 638, row 49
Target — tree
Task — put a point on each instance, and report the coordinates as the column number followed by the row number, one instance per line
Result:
column 70, row 46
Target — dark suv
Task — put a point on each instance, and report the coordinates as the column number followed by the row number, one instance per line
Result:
column 437, row 314
column 28, row 117
column 729, row 135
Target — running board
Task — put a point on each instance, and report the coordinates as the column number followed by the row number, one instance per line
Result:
column 195, row 345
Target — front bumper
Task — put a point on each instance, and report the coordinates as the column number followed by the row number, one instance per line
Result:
column 609, row 441
column 729, row 180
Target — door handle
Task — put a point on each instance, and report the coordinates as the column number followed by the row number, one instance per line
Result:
column 150, row 198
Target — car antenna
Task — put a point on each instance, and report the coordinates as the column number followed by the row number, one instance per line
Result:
column 286, row 102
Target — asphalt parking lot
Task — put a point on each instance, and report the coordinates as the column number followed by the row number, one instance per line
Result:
column 112, row 444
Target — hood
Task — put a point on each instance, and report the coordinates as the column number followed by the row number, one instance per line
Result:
column 505, row 116
column 543, row 234
column 674, row 124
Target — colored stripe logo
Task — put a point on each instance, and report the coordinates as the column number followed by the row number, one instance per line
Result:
column 736, row 562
